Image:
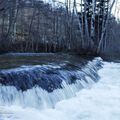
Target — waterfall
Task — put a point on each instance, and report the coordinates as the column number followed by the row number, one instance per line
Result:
column 42, row 86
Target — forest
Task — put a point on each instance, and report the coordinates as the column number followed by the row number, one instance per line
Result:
column 85, row 28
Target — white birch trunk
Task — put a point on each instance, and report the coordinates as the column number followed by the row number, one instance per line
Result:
column 92, row 34
column 105, row 27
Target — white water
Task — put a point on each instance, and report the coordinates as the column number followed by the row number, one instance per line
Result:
column 100, row 102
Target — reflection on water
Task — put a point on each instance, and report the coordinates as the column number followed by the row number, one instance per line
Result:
column 15, row 60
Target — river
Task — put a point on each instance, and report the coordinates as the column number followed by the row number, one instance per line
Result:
column 96, row 101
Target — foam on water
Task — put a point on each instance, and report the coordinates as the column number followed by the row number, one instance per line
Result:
column 99, row 102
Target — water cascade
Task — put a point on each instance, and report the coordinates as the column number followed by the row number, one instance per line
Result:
column 42, row 86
